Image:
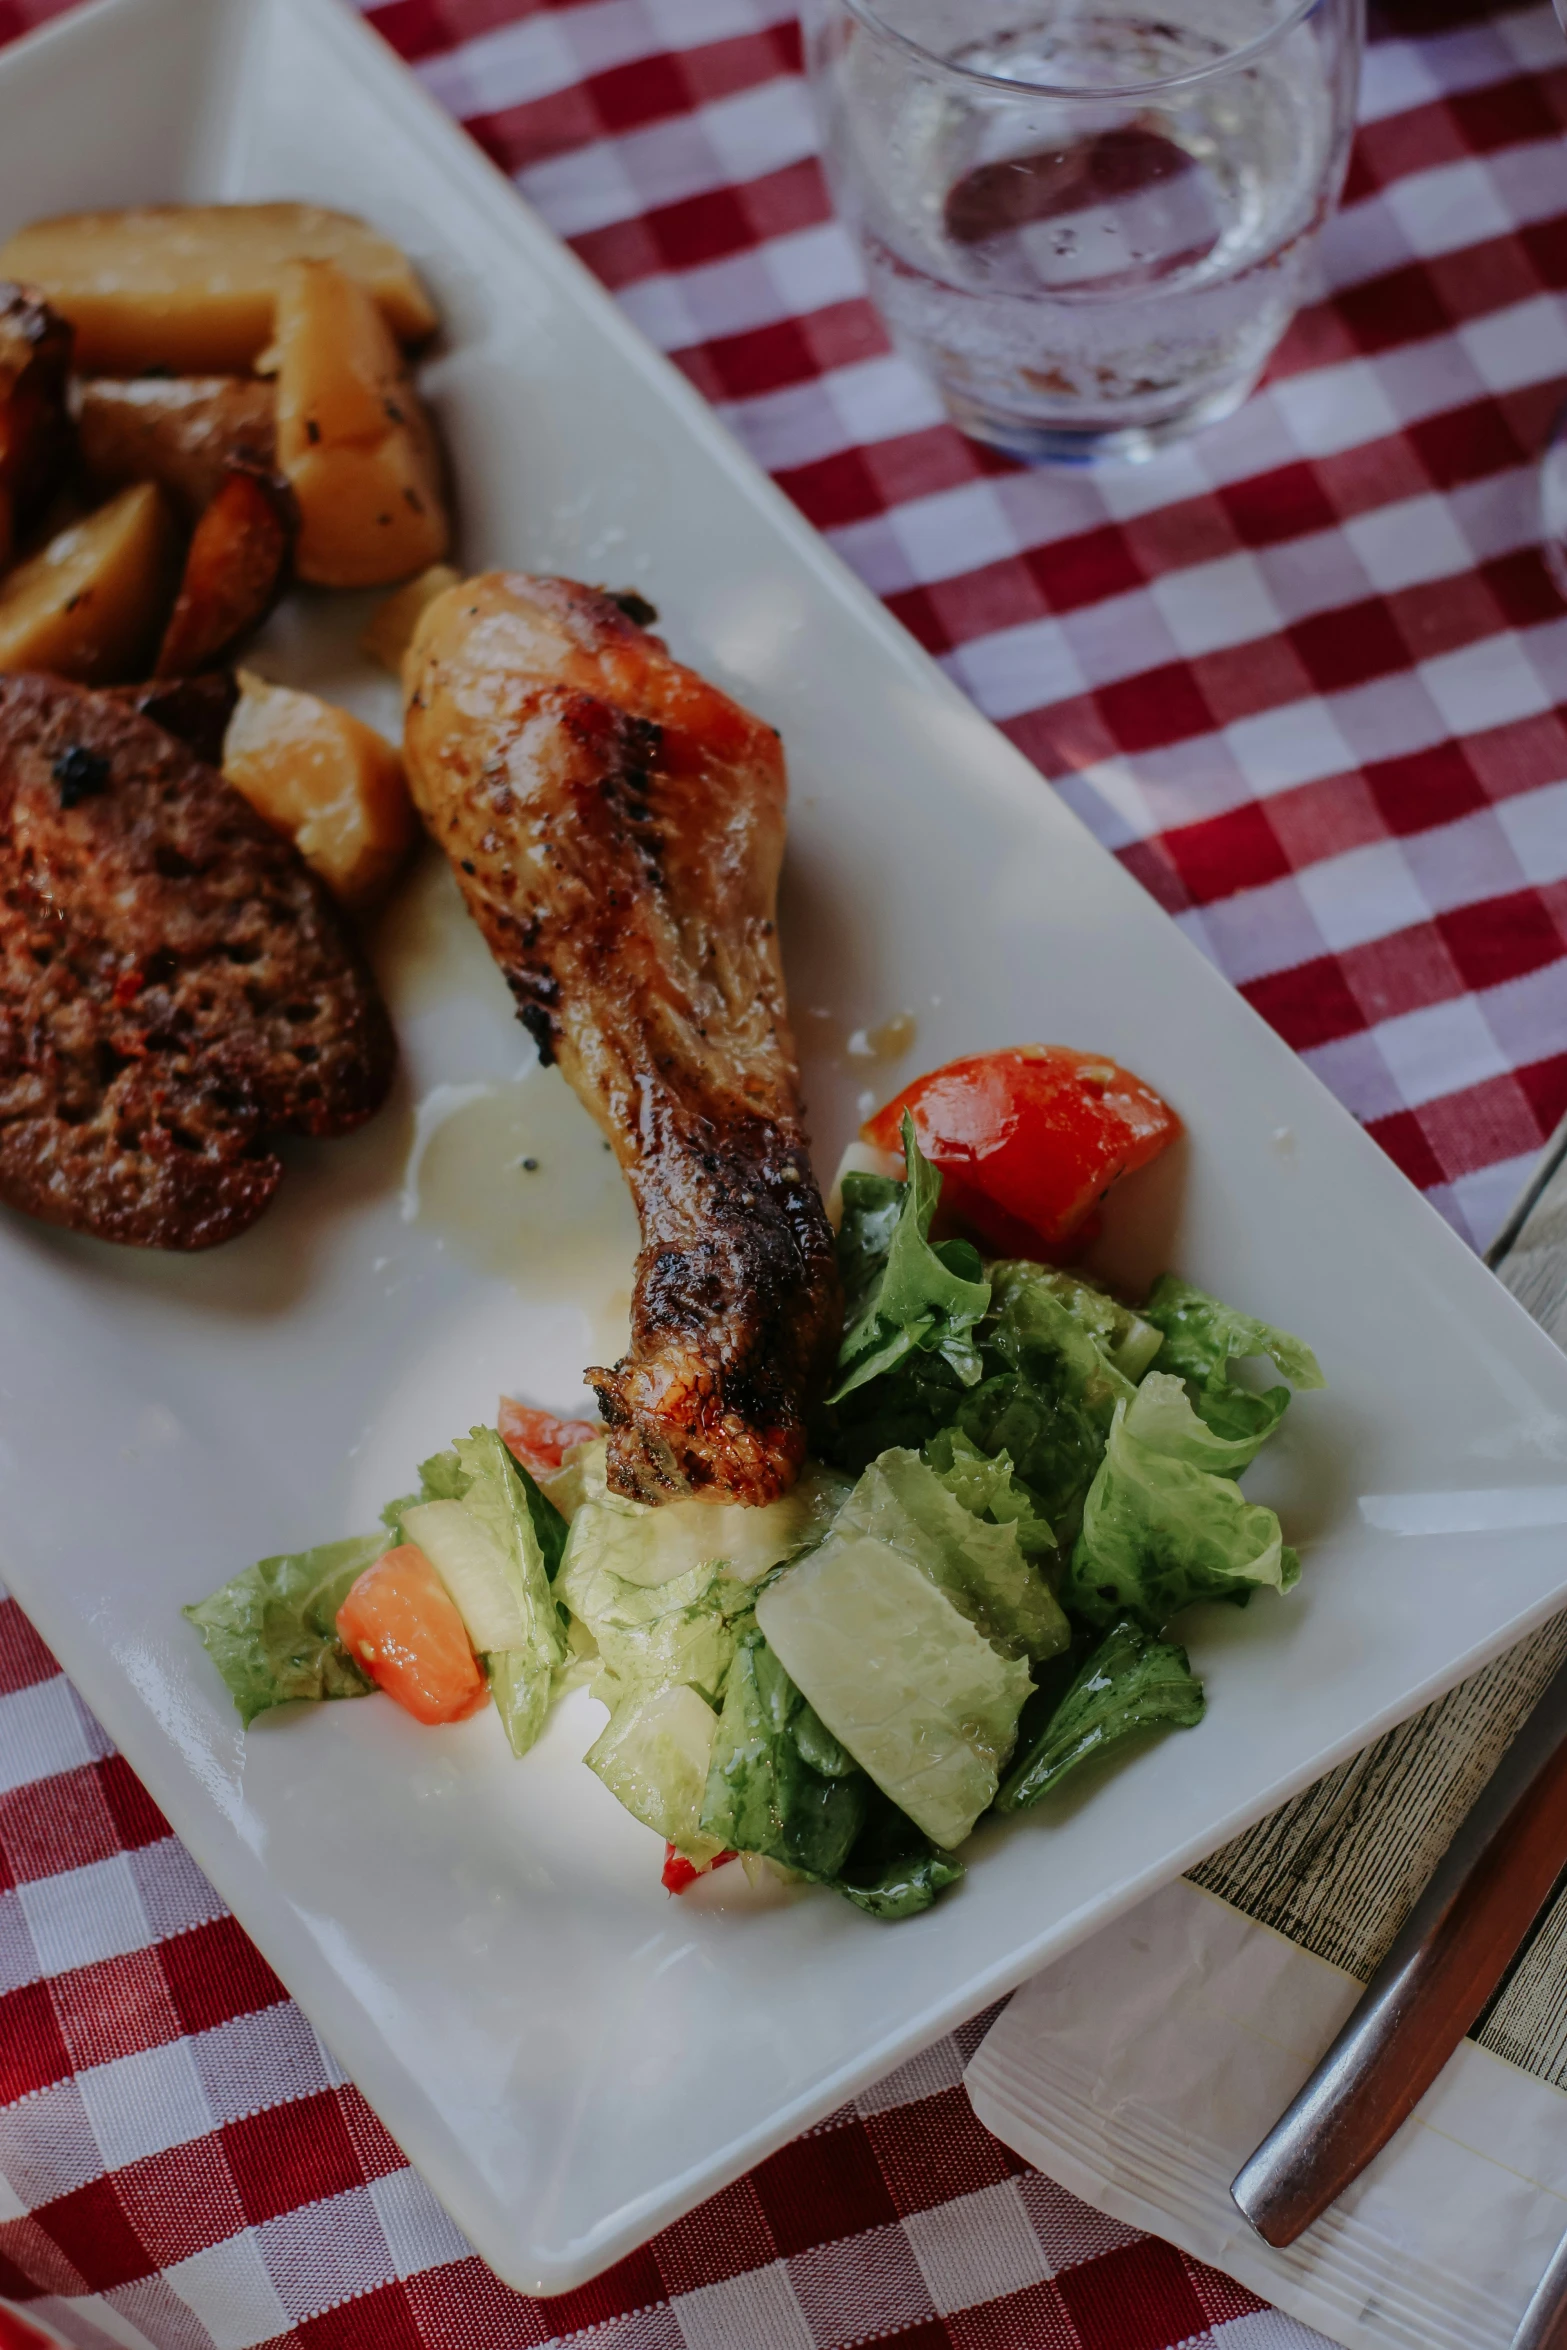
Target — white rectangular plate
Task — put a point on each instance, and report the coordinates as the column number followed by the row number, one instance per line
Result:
column 571, row 2058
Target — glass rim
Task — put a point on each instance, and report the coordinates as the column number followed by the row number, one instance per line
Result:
column 871, row 17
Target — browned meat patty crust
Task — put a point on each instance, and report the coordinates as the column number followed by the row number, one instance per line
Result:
column 176, row 988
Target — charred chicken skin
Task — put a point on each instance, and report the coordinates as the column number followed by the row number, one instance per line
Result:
column 617, row 827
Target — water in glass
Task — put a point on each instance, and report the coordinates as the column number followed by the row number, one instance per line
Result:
column 1090, row 228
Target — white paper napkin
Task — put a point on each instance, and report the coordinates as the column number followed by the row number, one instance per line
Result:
column 1142, row 2069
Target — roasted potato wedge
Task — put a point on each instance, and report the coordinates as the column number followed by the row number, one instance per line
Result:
column 328, row 781
column 35, row 424
column 91, row 604
column 183, row 433
column 191, row 286
column 237, row 567
column 352, row 436
column 392, row 624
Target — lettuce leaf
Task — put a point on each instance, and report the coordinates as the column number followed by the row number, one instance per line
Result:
column 978, row 1563
column 1038, row 1335
column 1203, row 1336
column 650, row 1545
column 903, row 1293
column 272, row 1631
column 664, row 1651
column 503, row 1498
column 780, row 1785
column 550, row 1527
column 902, row 1677
column 1159, row 1532
column 655, row 1756
column 987, row 1485
column 650, row 1636
column 1127, row 1342
column 1130, row 1682
column 905, row 1407
column 1049, row 1399
column 1161, row 1416
column 894, row 1871
column 441, row 1478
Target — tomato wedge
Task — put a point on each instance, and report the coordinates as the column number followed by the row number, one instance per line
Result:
column 1029, row 1141
column 538, row 1439
column 680, row 1872
column 400, row 1624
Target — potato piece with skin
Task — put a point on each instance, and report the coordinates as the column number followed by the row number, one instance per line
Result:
column 236, row 569
column 327, row 780
column 183, row 433
column 353, row 437
column 91, row 604
column 191, row 286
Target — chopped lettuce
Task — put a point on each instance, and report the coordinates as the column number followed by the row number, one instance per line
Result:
column 1161, row 1416
column 1130, row 1682
column 670, row 1624
column 504, row 1502
column 978, row 1564
column 894, row 1871
column 639, row 1543
column 514, row 1685
column 1127, row 1342
column 1202, row 1337
column 987, row 1485
column 901, row 1677
column 904, row 1295
column 905, row 1407
column 649, row 1636
column 550, row 1527
column 1038, row 1335
column 655, row 1755
column 568, row 1487
column 780, row 1785
column 441, row 1478
column 272, row 1631
column 1049, row 1398
column 1159, row 1532
column 841, row 1682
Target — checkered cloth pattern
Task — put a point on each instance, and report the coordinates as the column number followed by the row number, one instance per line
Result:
column 1305, row 677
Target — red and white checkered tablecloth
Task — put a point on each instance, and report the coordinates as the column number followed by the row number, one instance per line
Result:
column 1306, row 678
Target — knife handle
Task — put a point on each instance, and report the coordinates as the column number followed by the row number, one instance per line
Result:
column 1490, row 1885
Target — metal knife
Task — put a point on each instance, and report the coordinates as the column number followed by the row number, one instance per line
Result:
column 1489, row 1887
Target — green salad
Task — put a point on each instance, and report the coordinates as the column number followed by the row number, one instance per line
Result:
column 1018, row 1482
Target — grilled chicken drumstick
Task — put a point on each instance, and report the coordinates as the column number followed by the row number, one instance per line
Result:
column 617, row 827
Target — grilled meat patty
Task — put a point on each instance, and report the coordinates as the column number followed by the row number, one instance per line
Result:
column 176, row 988
column 617, row 826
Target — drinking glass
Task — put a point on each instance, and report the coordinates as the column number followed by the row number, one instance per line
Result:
column 1088, row 220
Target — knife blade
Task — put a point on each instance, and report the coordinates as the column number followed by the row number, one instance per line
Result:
column 1485, row 1893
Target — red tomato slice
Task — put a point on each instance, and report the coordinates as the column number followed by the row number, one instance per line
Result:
column 400, row 1624
column 680, row 1872
column 537, row 1439
column 1029, row 1141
